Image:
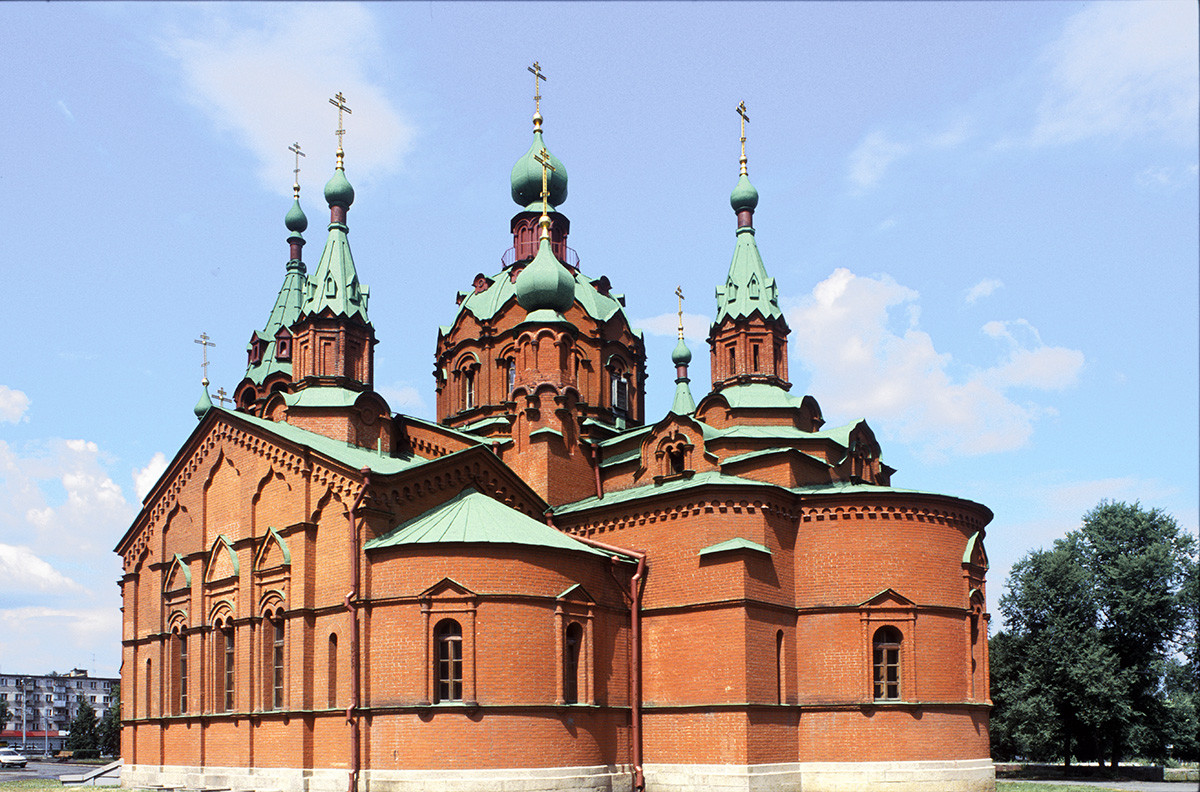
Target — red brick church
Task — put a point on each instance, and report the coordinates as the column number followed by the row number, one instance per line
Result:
column 546, row 588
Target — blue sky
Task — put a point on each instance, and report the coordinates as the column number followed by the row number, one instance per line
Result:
column 982, row 218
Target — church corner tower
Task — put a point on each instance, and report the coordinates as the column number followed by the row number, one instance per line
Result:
column 540, row 359
column 748, row 337
column 269, row 353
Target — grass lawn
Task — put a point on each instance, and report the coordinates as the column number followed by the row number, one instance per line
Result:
column 33, row 785
column 1035, row 786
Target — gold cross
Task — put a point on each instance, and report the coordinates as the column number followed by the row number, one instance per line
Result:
column 679, row 294
column 339, row 102
column 536, row 71
column 295, row 149
column 223, row 397
column 205, row 343
column 543, row 157
column 741, row 110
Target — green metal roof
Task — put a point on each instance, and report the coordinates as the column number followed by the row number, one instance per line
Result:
column 334, row 284
column 284, row 314
column 352, row 456
column 758, row 395
column 526, row 177
column 325, row 396
column 670, row 486
column 737, row 543
column 748, row 287
column 486, row 304
column 472, row 517
column 768, row 452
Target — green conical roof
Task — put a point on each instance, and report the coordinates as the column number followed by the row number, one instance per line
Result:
column 544, row 288
column 527, row 178
column 334, row 284
column 748, row 287
column 284, row 314
column 683, row 404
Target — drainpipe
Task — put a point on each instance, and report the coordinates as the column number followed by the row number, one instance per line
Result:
column 635, row 645
column 595, row 460
column 352, row 606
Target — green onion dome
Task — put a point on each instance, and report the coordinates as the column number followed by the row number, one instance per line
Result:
column 295, row 220
column 527, row 178
column 338, row 191
column 545, row 284
column 744, row 195
column 205, row 404
column 682, row 355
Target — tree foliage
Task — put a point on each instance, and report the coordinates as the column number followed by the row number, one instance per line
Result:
column 109, row 731
column 1090, row 664
column 83, row 728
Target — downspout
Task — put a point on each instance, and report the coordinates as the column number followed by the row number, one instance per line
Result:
column 352, row 606
column 635, row 645
column 595, row 460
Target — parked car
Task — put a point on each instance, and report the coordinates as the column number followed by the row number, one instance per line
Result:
column 10, row 758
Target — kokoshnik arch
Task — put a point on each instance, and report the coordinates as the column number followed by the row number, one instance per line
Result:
column 546, row 588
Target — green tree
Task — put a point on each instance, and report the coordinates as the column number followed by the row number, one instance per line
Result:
column 83, row 728
column 1138, row 564
column 1100, row 657
column 1058, row 683
column 109, row 730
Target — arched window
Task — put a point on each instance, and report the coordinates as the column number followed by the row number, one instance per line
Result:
column 572, row 644
column 620, row 393
column 448, row 665
column 228, row 663
column 276, row 662
column 779, row 667
column 886, row 662
column 510, row 375
column 333, row 670
column 179, row 675
column 677, row 459
column 149, row 686
column 468, row 388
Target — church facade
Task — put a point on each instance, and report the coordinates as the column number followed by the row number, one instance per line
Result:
column 545, row 588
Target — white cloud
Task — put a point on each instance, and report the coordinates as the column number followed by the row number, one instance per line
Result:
column 60, row 516
column 21, row 570
column 871, row 159
column 1123, row 69
column 984, row 288
column 268, row 82
column 145, row 479
column 404, row 398
column 843, row 333
column 13, row 404
column 695, row 326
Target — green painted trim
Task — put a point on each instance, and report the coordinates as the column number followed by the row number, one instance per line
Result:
column 187, row 572
column 287, row 554
column 223, row 539
column 545, row 430
column 737, row 543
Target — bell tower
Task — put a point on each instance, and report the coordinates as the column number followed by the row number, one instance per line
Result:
column 748, row 338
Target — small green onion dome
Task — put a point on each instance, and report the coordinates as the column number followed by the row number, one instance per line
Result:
column 545, row 283
column 527, row 178
column 295, row 220
column 338, row 191
column 205, row 404
column 744, row 195
column 682, row 355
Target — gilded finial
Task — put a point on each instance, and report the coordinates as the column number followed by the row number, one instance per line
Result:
column 205, row 343
column 741, row 110
column 295, row 149
column 679, row 294
column 339, row 102
column 536, row 71
column 543, row 157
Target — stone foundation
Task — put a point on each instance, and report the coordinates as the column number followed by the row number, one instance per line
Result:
column 970, row 775
column 277, row 779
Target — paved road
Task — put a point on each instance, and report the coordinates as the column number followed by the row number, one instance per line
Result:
column 37, row 769
column 1130, row 786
